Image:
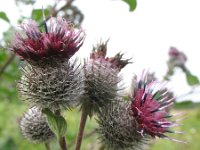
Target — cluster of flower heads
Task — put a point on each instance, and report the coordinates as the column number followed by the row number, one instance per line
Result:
column 50, row 79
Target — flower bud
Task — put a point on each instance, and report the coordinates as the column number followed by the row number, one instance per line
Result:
column 34, row 127
column 101, row 79
column 118, row 130
column 176, row 59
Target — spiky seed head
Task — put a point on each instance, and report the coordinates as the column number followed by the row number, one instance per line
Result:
column 118, row 130
column 149, row 108
column 34, row 127
column 60, row 41
column 176, row 58
column 55, row 88
column 101, row 79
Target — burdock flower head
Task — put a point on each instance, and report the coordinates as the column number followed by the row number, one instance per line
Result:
column 50, row 79
column 59, row 41
column 101, row 78
column 176, row 58
column 34, row 127
column 148, row 108
column 118, row 130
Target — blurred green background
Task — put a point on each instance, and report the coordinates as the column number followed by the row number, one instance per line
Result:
column 10, row 138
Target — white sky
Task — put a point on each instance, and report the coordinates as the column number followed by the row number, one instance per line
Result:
column 145, row 34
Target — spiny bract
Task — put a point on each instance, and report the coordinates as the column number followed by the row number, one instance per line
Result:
column 51, row 87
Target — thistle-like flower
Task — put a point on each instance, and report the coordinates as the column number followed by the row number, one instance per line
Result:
column 101, row 78
column 176, row 59
column 118, row 130
column 50, row 79
column 34, row 127
column 149, row 108
column 59, row 41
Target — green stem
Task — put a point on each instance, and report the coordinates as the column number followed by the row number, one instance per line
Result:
column 61, row 140
column 63, row 144
column 81, row 129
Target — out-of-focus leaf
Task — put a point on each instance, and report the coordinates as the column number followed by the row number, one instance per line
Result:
column 132, row 4
column 4, row 17
column 8, row 144
column 37, row 14
column 27, row 2
column 56, row 123
column 191, row 79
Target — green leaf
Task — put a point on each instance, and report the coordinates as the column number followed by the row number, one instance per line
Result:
column 37, row 14
column 56, row 123
column 132, row 4
column 191, row 79
column 4, row 17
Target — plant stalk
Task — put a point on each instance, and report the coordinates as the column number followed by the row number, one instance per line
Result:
column 47, row 146
column 81, row 129
column 61, row 140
